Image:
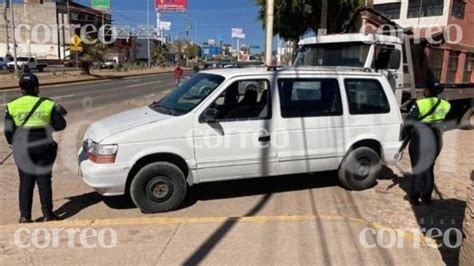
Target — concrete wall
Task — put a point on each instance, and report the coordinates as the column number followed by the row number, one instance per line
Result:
column 36, row 26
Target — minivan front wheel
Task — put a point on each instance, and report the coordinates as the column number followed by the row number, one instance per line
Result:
column 360, row 169
column 158, row 187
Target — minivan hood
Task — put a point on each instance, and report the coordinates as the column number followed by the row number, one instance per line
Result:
column 122, row 122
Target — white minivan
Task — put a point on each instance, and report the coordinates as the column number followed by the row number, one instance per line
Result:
column 296, row 120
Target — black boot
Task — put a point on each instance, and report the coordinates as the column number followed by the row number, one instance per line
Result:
column 49, row 218
column 24, row 220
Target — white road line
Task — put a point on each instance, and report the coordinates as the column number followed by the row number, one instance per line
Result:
column 149, row 96
column 143, row 84
column 166, row 91
column 66, row 96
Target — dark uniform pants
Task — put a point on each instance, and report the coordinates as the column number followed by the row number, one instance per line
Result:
column 35, row 165
column 425, row 146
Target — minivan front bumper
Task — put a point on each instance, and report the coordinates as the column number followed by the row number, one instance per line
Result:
column 106, row 179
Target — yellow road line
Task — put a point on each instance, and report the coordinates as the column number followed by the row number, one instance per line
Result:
column 408, row 235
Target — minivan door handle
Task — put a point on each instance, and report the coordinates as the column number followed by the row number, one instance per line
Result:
column 264, row 139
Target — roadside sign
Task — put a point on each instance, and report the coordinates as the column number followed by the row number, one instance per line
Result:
column 76, row 44
column 171, row 5
column 76, row 48
column 100, row 4
column 76, row 40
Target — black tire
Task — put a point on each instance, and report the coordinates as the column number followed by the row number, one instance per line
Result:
column 158, row 187
column 360, row 169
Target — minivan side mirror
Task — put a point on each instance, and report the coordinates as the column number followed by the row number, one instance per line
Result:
column 209, row 116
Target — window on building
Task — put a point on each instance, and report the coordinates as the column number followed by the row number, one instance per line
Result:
column 468, row 68
column 309, row 97
column 459, row 8
column 435, row 63
column 452, row 66
column 74, row 16
column 391, row 11
column 425, row 8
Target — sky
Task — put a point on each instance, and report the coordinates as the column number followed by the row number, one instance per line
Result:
column 210, row 19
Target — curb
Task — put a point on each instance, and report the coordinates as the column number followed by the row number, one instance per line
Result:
column 91, row 79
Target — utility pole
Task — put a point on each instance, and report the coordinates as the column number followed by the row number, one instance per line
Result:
column 324, row 15
column 269, row 32
column 148, row 31
column 14, row 39
column 5, row 16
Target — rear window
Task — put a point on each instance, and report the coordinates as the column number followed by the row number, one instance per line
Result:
column 309, row 97
column 366, row 96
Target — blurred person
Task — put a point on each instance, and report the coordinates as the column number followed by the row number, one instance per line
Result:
column 30, row 121
column 178, row 74
column 426, row 141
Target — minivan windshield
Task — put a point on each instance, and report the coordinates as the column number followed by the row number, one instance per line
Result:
column 188, row 95
column 353, row 54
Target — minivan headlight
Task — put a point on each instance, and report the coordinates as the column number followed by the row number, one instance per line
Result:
column 102, row 154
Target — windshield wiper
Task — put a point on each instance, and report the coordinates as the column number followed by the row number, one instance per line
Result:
column 164, row 109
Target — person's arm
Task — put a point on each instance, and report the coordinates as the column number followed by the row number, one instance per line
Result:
column 57, row 120
column 9, row 127
column 414, row 113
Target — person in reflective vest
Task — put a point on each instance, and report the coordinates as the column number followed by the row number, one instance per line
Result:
column 426, row 132
column 29, row 124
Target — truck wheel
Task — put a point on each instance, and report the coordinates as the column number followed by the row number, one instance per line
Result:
column 360, row 169
column 158, row 187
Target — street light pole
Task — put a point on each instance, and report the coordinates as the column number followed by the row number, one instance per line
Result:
column 14, row 39
column 269, row 32
column 148, row 31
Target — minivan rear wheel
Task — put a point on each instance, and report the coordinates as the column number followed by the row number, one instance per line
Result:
column 158, row 187
column 360, row 169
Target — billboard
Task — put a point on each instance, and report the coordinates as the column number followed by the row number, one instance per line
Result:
column 100, row 4
column 165, row 25
column 238, row 33
column 171, row 5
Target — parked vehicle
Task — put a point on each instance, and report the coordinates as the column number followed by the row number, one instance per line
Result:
column 3, row 63
column 72, row 63
column 27, row 63
column 348, row 120
column 108, row 64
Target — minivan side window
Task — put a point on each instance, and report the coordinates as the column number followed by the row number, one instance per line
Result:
column 366, row 96
column 309, row 97
column 244, row 100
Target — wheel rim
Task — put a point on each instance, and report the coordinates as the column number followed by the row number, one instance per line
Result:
column 159, row 189
column 362, row 169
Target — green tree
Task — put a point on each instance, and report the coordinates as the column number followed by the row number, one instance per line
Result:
column 92, row 51
column 160, row 53
column 294, row 18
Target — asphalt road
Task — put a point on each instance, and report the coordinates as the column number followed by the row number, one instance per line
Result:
column 76, row 97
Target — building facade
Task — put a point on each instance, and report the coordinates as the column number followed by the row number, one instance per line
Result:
column 443, row 31
column 43, row 28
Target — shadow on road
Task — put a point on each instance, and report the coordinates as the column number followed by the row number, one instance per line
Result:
column 76, row 204
column 210, row 191
column 443, row 214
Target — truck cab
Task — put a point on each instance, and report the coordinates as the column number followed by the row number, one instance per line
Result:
column 367, row 51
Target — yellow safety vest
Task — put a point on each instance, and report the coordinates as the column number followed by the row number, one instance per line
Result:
column 425, row 105
column 21, row 107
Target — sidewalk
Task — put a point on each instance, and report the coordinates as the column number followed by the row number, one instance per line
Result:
column 279, row 240
column 7, row 81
